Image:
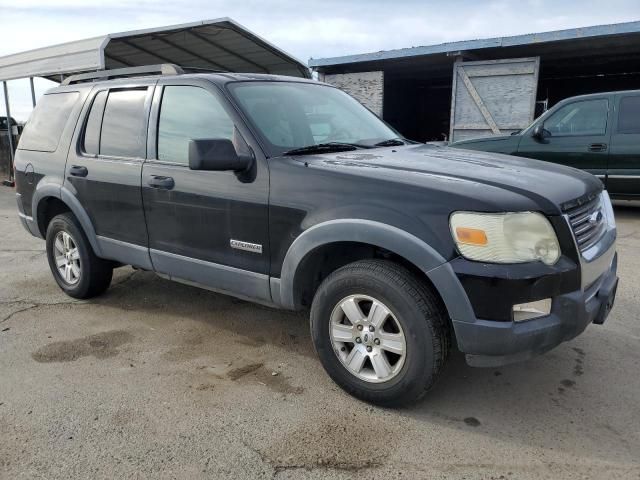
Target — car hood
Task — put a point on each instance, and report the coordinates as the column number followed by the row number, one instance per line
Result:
column 542, row 182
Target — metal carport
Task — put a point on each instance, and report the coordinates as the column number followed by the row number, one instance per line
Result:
column 220, row 44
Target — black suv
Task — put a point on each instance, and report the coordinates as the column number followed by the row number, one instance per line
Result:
column 290, row 193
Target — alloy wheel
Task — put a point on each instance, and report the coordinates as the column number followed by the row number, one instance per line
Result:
column 67, row 258
column 367, row 338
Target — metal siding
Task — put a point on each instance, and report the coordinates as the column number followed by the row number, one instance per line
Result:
column 493, row 97
column 79, row 56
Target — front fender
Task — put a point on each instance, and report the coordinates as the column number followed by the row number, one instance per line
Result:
column 382, row 235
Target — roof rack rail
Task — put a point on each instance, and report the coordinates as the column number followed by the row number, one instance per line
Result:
column 160, row 69
column 187, row 69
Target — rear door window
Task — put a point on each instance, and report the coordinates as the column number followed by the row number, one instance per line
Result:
column 629, row 117
column 43, row 130
column 123, row 124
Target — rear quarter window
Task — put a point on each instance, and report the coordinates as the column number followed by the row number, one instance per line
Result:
column 629, row 118
column 46, row 124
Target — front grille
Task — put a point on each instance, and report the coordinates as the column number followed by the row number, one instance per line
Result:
column 588, row 223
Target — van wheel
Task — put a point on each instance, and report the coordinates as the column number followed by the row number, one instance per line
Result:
column 380, row 332
column 76, row 269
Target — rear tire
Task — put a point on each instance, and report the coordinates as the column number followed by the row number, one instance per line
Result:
column 75, row 267
column 389, row 358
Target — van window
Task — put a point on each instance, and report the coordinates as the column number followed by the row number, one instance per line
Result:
column 44, row 128
column 123, row 125
column 629, row 118
column 588, row 117
column 92, row 129
column 189, row 113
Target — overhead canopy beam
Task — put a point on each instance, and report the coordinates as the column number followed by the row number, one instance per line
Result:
column 129, row 43
column 119, row 60
column 225, row 50
column 193, row 54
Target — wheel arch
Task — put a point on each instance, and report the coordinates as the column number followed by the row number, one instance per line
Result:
column 46, row 194
column 417, row 253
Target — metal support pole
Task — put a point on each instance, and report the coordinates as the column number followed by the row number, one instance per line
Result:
column 33, row 92
column 10, row 183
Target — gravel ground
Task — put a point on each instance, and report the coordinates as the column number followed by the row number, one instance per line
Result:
column 157, row 379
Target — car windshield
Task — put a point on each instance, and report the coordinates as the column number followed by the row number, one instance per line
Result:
column 293, row 115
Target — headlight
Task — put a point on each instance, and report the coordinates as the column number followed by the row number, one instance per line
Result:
column 505, row 237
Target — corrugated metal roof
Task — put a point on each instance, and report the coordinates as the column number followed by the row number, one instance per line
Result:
column 220, row 44
column 517, row 40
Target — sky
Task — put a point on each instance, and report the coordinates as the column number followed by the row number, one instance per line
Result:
column 302, row 28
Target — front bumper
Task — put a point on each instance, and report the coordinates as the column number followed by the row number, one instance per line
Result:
column 582, row 287
column 489, row 343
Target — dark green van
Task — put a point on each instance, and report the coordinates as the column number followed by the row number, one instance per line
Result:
column 599, row 133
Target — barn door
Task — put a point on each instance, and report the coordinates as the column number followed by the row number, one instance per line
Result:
column 493, row 97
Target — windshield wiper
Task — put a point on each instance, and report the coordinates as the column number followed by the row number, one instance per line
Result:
column 324, row 148
column 392, row 142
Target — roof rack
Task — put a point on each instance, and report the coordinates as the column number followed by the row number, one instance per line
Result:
column 160, row 69
column 186, row 69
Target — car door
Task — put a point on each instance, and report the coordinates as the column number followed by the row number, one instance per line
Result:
column 103, row 171
column 623, row 173
column 206, row 227
column 576, row 135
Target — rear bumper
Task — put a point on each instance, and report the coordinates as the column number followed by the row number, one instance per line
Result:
column 488, row 343
column 27, row 222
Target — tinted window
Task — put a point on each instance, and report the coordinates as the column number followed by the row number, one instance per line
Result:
column 123, row 132
column 45, row 126
column 579, row 118
column 189, row 113
column 629, row 118
column 92, row 129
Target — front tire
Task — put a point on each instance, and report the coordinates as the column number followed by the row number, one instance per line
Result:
column 381, row 332
column 75, row 267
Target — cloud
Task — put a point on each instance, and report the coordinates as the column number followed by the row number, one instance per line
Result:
column 305, row 29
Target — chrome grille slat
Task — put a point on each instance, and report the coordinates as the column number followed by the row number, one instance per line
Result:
column 587, row 228
column 580, row 229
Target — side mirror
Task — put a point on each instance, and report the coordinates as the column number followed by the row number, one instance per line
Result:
column 539, row 132
column 216, row 154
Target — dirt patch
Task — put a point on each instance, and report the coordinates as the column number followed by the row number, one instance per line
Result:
column 333, row 444
column 240, row 372
column 102, row 345
column 472, row 421
column 256, row 372
column 205, row 387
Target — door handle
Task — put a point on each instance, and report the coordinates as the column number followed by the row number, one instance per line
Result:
column 165, row 183
column 597, row 147
column 78, row 171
